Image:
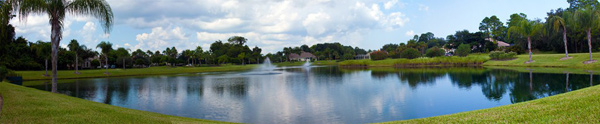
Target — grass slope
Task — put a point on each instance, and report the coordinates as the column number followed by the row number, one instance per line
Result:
column 95, row 73
column 474, row 59
column 550, row 60
column 580, row 106
column 28, row 105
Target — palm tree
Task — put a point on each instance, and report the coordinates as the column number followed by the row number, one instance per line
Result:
column 42, row 49
column 587, row 18
column 56, row 10
column 106, row 47
column 74, row 46
column 558, row 23
column 526, row 28
column 198, row 54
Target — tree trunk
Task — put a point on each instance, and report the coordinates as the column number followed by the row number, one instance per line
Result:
column 106, row 60
column 123, row 62
column 589, row 36
column 565, row 40
column 55, row 37
column 46, row 67
column 529, row 46
column 76, row 63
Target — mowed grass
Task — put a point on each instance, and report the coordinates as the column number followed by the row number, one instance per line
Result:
column 473, row 59
column 161, row 70
column 580, row 106
column 28, row 105
column 550, row 60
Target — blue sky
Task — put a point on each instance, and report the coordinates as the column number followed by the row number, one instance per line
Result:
column 274, row 24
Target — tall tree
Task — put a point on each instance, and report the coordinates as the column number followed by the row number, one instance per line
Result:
column 528, row 29
column 239, row 40
column 56, row 10
column 587, row 18
column 559, row 23
column 105, row 47
column 492, row 27
column 75, row 47
column 198, row 54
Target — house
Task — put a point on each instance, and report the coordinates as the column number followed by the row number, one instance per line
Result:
column 294, row 57
column 302, row 57
column 307, row 56
column 363, row 56
column 500, row 43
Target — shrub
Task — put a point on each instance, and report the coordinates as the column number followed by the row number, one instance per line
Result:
column 434, row 52
column 378, row 55
column 410, row 53
column 95, row 63
column 463, row 50
column 499, row 55
column 516, row 49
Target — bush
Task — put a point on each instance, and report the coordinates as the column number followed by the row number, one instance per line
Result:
column 499, row 55
column 516, row 49
column 410, row 53
column 378, row 55
column 95, row 63
column 434, row 52
column 463, row 50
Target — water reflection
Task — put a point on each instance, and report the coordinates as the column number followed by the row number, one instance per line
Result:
column 323, row 94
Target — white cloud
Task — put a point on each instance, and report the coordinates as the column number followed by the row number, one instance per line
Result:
column 410, row 33
column 161, row 38
column 390, row 4
column 423, row 8
column 270, row 24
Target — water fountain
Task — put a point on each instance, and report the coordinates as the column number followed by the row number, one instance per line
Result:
column 264, row 69
column 307, row 64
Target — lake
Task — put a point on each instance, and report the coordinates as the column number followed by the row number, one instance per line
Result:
column 326, row 94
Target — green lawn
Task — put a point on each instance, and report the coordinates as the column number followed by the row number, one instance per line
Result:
column 580, row 106
column 550, row 60
column 474, row 59
column 161, row 70
column 28, row 105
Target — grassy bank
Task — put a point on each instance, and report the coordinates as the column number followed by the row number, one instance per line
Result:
column 28, row 105
column 550, row 60
column 95, row 73
column 471, row 60
column 580, row 106
column 322, row 62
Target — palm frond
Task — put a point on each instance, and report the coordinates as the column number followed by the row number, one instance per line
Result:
column 27, row 7
column 96, row 8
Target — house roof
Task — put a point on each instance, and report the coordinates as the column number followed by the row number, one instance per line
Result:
column 294, row 56
column 307, row 55
column 500, row 43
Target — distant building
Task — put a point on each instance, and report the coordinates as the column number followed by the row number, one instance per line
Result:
column 307, row 56
column 302, row 57
column 500, row 43
column 363, row 56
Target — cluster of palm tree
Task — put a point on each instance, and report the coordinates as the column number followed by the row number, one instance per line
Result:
column 584, row 18
column 57, row 10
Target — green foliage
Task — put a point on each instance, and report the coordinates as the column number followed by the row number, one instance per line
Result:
column 223, row 59
column 463, row 50
column 378, row 55
column 410, row 53
column 500, row 55
column 516, row 49
column 434, row 52
column 95, row 63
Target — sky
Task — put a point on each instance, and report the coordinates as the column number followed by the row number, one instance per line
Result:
column 274, row 24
